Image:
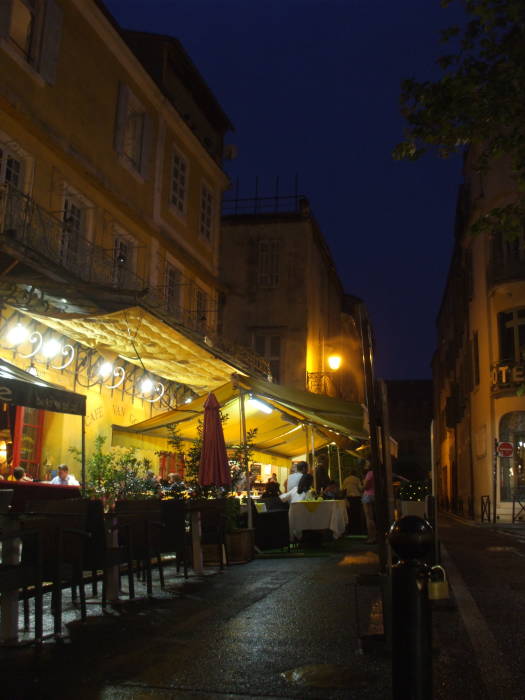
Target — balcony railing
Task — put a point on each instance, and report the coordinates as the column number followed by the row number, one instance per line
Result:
column 505, row 270
column 36, row 236
column 29, row 228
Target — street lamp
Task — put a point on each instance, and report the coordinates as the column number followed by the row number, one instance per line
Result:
column 334, row 362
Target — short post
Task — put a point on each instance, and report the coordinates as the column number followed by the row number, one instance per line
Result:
column 411, row 538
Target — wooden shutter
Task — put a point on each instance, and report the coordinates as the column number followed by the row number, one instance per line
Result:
column 5, row 17
column 50, row 41
column 147, row 147
column 121, row 116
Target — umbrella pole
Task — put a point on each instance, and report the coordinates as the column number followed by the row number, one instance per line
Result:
column 312, row 442
column 243, row 432
column 339, row 465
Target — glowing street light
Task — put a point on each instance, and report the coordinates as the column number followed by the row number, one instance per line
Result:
column 334, row 362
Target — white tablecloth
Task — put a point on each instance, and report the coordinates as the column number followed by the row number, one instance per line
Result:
column 318, row 515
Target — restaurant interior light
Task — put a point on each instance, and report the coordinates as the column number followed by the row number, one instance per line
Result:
column 18, row 334
column 334, row 361
column 51, row 348
column 259, row 405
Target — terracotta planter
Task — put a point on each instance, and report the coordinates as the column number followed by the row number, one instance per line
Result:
column 240, row 545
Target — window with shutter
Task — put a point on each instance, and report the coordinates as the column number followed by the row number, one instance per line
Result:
column 268, row 264
column 133, row 132
column 73, row 229
column 269, row 346
column 123, row 261
column 206, row 213
column 179, row 182
column 33, row 29
column 10, row 168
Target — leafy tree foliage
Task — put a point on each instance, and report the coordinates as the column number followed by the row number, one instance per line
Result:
column 479, row 100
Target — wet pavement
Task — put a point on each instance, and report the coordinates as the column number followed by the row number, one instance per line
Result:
column 272, row 628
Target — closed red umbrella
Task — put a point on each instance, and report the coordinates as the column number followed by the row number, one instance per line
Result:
column 214, row 469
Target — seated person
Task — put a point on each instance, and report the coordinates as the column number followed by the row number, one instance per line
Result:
column 299, row 492
column 270, row 497
column 19, row 474
column 64, row 478
column 331, row 490
column 175, row 483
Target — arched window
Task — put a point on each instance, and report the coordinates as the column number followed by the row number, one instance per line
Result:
column 512, row 471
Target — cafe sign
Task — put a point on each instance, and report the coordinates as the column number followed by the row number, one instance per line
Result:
column 507, row 375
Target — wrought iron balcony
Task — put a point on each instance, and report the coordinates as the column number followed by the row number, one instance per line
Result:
column 33, row 235
column 501, row 270
column 96, row 279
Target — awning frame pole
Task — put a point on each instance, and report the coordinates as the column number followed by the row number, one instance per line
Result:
column 83, row 463
column 339, row 466
column 245, row 459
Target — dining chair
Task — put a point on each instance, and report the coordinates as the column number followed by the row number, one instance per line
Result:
column 174, row 536
column 139, row 528
column 213, row 528
column 63, row 531
column 102, row 551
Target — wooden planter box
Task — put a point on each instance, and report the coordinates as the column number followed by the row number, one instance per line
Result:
column 240, row 545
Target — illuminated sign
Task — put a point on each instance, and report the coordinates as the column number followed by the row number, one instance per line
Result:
column 507, row 375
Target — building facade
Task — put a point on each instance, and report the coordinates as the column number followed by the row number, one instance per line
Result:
column 478, row 367
column 410, row 406
column 285, row 300
column 110, row 186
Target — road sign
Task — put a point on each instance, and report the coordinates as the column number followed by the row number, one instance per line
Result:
column 505, row 449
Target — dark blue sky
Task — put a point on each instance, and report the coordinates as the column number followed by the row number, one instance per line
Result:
column 312, row 87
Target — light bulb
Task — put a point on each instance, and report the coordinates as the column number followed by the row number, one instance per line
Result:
column 146, row 386
column 51, row 348
column 18, row 334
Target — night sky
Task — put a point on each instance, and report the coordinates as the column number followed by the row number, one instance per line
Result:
column 312, row 87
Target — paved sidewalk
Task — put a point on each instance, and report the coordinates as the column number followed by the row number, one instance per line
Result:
column 273, row 628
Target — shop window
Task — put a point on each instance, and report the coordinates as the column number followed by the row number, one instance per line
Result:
column 173, row 290
column 206, row 213
column 10, row 168
column 512, row 473
column 268, row 345
column 31, row 30
column 133, row 133
column 27, row 441
column 268, row 264
column 511, row 326
column 179, row 182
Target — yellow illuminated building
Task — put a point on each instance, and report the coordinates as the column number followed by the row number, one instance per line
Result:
column 285, row 298
column 479, row 365
column 110, row 187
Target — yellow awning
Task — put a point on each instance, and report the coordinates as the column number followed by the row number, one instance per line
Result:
column 144, row 340
column 281, row 432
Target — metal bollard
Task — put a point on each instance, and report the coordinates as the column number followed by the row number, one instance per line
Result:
column 411, row 538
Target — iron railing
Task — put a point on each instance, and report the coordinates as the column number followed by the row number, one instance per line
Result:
column 37, row 235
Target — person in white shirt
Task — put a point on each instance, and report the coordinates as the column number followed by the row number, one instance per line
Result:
column 295, row 477
column 64, row 478
column 299, row 492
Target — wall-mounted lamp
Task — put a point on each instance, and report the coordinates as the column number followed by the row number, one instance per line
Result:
column 334, row 362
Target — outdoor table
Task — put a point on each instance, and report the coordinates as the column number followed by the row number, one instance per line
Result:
column 318, row 515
